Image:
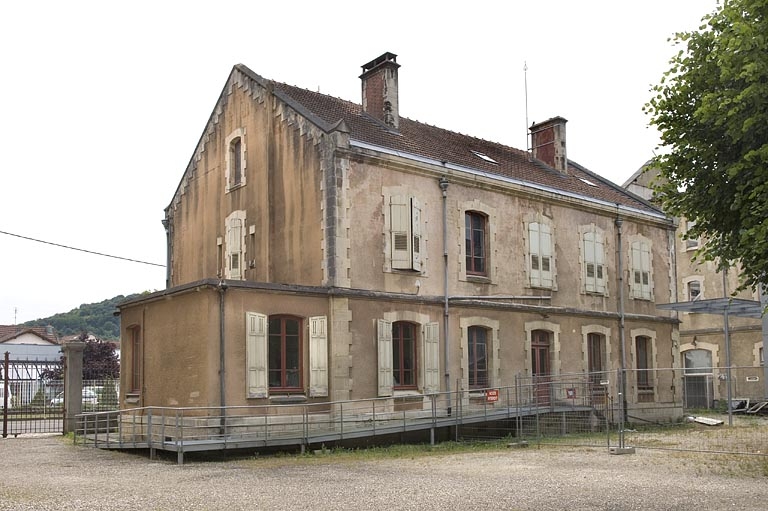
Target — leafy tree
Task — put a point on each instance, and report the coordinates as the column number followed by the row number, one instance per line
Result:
column 100, row 361
column 711, row 108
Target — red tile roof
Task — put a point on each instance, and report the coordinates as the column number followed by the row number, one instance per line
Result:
column 8, row 332
column 440, row 145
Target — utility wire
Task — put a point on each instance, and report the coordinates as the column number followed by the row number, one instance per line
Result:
column 81, row 249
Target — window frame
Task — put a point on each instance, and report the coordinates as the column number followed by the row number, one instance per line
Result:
column 470, row 241
column 235, row 236
column 283, row 370
column 472, row 365
column 235, row 156
column 644, row 363
column 135, row 372
column 399, row 371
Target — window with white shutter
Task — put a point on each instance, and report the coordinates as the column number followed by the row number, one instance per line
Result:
column 405, row 232
column 594, row 262
column 256, row 355
column 384, row 343
column 235, row 248
column 318, row 356
column 540, row 255
column 640, row 279
column 431, row 343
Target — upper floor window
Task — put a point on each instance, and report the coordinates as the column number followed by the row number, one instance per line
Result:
column 235, row 249
column 475, row 227
column 235, row 159
column 690, row 243
column 540, row 255
column 405, row 231
column 640, row 267
column 594, row 262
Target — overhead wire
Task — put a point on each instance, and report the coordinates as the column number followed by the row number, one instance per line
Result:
column 81, row 249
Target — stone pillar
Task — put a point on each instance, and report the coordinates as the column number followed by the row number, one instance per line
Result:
column 73, row 383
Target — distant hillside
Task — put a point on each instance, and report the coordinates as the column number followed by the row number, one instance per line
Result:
column 95, row 318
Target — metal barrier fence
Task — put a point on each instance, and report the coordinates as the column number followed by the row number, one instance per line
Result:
column 567, row 409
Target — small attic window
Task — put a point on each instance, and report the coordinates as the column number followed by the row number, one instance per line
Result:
column 590, row 183
column 484, row 156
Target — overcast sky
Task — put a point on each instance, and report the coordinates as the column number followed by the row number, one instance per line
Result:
column 104, row 102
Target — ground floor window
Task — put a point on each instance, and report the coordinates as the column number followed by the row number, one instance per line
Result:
column 404, row 355
column 478, row 357
column 285, row 352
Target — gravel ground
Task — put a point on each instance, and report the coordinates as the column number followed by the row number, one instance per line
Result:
column 50, row 473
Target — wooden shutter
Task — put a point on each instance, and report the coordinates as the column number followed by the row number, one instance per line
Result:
column 318, row 356
column 416, row 245
column 234, row 247
column 400, row 219
column 534, row 268
column 256, row 354
column 590, row 271
column 545, row 244
column 645, row 266
column 431, row 344
column 384, row 341
column 599, row 263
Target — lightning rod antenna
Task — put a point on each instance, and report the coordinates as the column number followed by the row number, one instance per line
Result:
column 527, row 135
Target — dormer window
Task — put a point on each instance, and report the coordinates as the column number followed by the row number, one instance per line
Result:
column 235, row 159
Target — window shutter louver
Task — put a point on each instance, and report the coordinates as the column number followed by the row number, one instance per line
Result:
column 318, row 356
column 431, row 343
column 599, row 264
column 400, row 232
column 589, row 262
column 234, row 248
column 384, row 341
column 256, row 354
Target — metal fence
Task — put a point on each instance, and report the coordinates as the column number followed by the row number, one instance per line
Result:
column 642, row 409
column 25, row 397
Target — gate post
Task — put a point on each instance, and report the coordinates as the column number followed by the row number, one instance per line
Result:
column 73, row 383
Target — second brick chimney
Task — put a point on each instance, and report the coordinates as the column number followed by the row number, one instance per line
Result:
column 380, row 89
column 548, row 143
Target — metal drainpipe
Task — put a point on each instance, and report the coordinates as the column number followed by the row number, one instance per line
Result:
column 222, row 392
column 622, row 336
column 167, row 226
column 447, row 343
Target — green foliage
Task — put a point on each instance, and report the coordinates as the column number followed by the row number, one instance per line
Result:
column 711, row 108
column 99, row 362
column 95, row 318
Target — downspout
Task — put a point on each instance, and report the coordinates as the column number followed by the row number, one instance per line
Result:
column 222, row 393
column 622, row 336
column 167, row 225
column 447, row 343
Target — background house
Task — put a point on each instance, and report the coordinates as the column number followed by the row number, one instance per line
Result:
column 320, row 249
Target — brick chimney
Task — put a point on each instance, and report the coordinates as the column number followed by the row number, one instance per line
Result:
column 380, row 89
column 548, row 143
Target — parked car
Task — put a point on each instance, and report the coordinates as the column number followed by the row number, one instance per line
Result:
column 89, row 398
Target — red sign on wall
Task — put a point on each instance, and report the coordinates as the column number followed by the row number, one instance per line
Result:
column 492, row 395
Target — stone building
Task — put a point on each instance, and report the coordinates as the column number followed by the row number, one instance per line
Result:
column 325, row 250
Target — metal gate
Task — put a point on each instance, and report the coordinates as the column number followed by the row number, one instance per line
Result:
column 29, row 402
